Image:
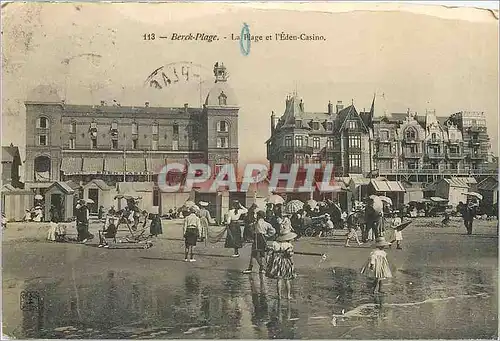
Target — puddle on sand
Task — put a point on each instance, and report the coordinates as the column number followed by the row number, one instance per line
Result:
column 421, row 303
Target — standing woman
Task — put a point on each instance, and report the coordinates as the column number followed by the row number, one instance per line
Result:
column 233, row 238
column 205, row 219
column 192, row 226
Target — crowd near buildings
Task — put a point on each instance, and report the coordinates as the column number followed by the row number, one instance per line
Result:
column 99, row 151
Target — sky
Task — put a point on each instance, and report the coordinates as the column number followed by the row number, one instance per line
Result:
column 93, row 52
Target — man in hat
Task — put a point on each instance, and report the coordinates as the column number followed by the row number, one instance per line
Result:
column 372, row 217
column 468, row 214
column 261, row 231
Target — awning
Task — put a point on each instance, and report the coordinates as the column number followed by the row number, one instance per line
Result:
column 135, row 165
column 360, row 181
column 114, row 166
column 154, row 165
column 72, row 165
column 387, row 186
column 92, row 165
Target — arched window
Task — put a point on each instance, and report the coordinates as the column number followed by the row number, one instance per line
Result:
column 72, row 127
column 433, row 136
column 42, row 122
column 222, row 126
column 42, row 168
column 222, row 98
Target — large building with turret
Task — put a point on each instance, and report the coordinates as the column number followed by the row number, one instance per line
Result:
column 126, row 144
column 399, row 147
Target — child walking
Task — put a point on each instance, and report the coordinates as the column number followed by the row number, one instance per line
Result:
column 280, row 263
column 377, row 266
column 353, row 225
column 397, row 235
column 192, row 227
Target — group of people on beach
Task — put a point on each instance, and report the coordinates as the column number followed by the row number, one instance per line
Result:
column 272, row 233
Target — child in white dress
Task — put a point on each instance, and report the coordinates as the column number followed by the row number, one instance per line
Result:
column 397, row 236
column 377, row 266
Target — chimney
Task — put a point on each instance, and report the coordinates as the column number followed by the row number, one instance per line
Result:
column 340, row 106
column 103, row 103
column 273, row 122
column 186, row 106
column 146, row 104
column 330, row 108
column 301, row 105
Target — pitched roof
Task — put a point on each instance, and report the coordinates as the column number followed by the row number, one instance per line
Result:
column 488, row 184
column 100, row 183
column 387, row 186
column 9, row 153
column 63, row 186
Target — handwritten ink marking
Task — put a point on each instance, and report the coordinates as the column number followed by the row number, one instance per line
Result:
column 245, row 43
column 30, row 300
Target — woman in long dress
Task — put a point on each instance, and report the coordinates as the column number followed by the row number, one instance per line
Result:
column 205, row 219
column 234, row 239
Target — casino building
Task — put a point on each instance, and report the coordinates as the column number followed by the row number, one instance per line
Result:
column 107, row 147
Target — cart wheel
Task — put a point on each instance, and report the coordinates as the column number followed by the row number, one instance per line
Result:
column 309, row 232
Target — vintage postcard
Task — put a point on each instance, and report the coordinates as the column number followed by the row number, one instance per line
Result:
column 249, row 171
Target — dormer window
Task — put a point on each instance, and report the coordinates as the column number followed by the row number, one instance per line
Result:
column 352, row 124
column 93, row 130
column 384, row 135
column 222, row 98
column 315, row 125
column 329, row 126
column 114, row 129
column 298, row 123
column 42, row 123
column 411, row 134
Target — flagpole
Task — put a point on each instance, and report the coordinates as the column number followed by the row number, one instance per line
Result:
column 124, row 164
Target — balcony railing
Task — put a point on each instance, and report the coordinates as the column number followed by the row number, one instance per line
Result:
column 455, row 155
column 412, row 155
column 383, row 140
column 411, row 141
column 475, row 142
column 435, row 155
column 478, row 156
column 434, row 141
column 420, row 171
column 296, row 149
column 385, row 154
column 477, row 129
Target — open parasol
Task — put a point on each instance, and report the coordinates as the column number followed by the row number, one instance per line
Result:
column 89, row 201
column 385, row 199
column 312, row 204
column 474, row 194
column 293, row 206
column 189, row 203
column 275, row 199
column 378, row 205
column 402, row 226
column 38, row 197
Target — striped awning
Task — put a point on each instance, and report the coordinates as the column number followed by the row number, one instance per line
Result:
column 154, row 165
column 135, row 165
column 114, row 165
column 72, row 165
column 387, row 186
column 92, row 165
